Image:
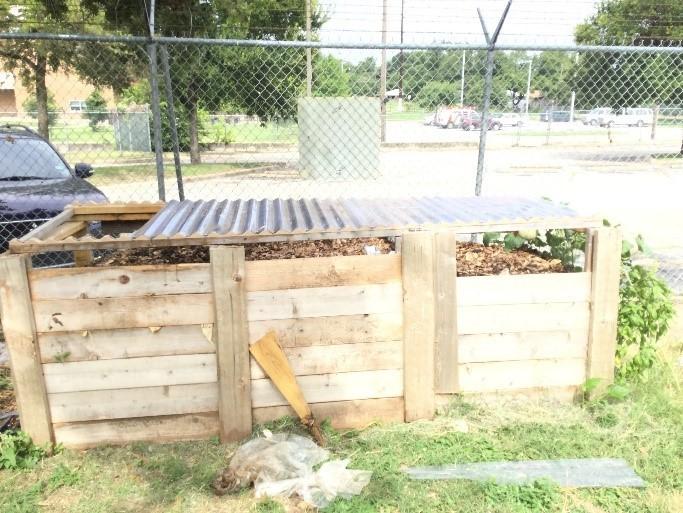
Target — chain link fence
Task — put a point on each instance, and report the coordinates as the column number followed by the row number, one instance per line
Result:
column 598, row 127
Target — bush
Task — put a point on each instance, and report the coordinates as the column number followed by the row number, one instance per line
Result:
column 645, row 311
column 17, row 451
column 434, row 94
column 96, row 109
column 30, row 106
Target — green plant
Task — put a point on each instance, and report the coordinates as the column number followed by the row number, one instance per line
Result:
column 96, row 109
column 30, row 106
column 539, row 496
column 5, row 383
column 268, row 506
column 645, row 311
column 61, row 357
column 17, row 451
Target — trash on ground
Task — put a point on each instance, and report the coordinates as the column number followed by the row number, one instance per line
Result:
column 571, row 473
column 281, row 465
column 273, row 360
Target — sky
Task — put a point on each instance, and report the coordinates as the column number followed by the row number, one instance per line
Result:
column 436, row 21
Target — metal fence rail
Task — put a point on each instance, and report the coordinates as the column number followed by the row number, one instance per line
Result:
column 177, row 118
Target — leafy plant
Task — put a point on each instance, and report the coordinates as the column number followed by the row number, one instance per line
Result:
column 645, row 311
column 96, row 109
column 30, row 106
column 5, row 383
column 539, row 496
column 17, row 451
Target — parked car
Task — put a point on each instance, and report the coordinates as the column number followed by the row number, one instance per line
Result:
column 449, row 118
column 562, row 116
column 629, row 117
column 430, row 119
column 509, row 119
column 473, row 122
column 36, row 182
column 594, row 116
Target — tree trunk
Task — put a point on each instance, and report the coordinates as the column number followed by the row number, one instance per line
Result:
column 195, row 157
column 41, row 97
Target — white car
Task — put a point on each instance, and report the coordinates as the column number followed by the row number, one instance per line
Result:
column 629, row 117
column 509, row 119
column 595, row 116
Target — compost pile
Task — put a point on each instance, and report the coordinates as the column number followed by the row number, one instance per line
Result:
column 477, row 260
column 473, row 259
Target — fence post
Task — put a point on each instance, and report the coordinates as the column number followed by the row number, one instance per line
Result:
column 172, row 121
column 156, row 115
column 231, row 336
column 418, row 324
column 19, row 328
column 446, row 314
column 602, row 335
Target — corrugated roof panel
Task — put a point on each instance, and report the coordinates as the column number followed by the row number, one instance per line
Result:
column 281, row 217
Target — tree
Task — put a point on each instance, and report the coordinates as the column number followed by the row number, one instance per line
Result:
column 32, row 60
column 364, row 78
column 30, row 107
column 198, row 73
column 95, row 109
column 329, row 77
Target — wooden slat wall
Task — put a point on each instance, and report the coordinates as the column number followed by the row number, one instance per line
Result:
column 343, row 341
column 522, row 331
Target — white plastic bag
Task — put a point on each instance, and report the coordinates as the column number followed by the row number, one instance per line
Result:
column 281, row 465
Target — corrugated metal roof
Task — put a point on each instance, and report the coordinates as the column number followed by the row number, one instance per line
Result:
column 282, row 217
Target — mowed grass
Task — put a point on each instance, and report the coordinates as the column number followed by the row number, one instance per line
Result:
column 106, row 175
column 646, row 430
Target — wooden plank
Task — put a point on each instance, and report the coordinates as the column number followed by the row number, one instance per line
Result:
column 124, row 343
column 146, row 280
column 418, row 324
column 500, row 347
column 273, row 361
column 445, row 314
column 323, row 272
column 120, row 281
column 33, row 246
column 141, row 216
column 602, row 340
column 129, row 373
column 493, row 376
column 183, row 309
column 46, row 229
column 133, row 402
column 524, row 288
column 324, row 301
column 83, row 435
column 67, row 229
column 325, row 388
column 116, row 208
column 342, row 414
column 588, row 251
column 231, row 334
column 521, row 318
column 343, row 329
column 20, row 335
column 340, row 358
column 112, row 313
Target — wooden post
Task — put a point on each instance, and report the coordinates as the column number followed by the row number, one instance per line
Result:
column 20, row 334
column 232, row 342
column 602, row 336
column 418, row 325
column 446, row 331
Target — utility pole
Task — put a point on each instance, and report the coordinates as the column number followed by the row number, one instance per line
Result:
column 383, row 77
column 309, row 57
column 156, row 113
column 462, row 80
column 400, row 66
column 528, row 89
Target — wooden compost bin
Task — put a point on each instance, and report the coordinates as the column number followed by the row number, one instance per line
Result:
column 105, row 355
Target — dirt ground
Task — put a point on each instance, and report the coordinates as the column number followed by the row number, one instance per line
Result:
column 7, row 399
column 473, row 259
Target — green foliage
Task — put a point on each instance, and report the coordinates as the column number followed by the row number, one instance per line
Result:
column 268, row 506
column 434, row 94
column 96, row 109
column 17, row 451
column 539, row 496
column 364, row 78
column 5, row 383
column 62, row 357
column 645, row 311
column 30, row 106
column 329, row 79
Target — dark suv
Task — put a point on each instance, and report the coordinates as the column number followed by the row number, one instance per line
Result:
column 36, row 183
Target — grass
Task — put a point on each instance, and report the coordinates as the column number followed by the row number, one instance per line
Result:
column 646, row 430
column 141, row 172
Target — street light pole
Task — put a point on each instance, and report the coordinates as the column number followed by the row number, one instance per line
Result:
column 462, row 80
column 400, row 66
column 528, row 88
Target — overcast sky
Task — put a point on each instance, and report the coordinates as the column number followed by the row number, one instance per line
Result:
column 429, row 21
